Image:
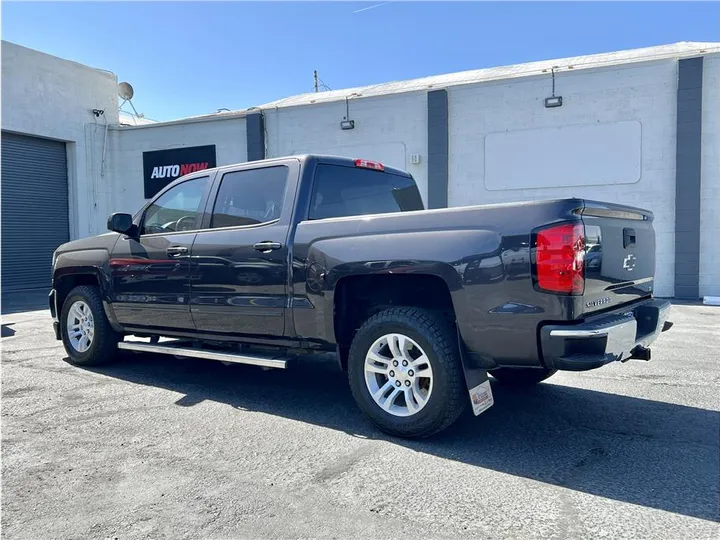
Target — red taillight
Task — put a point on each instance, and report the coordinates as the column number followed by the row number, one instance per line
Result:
column 365, row 164
column 560, row 258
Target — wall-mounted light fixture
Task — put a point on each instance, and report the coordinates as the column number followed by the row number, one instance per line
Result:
column 346, row 123
column 553, row 101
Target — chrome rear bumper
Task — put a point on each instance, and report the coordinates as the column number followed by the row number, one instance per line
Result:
column 606, row 338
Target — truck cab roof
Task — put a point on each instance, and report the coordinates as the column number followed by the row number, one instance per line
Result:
column 306, row 159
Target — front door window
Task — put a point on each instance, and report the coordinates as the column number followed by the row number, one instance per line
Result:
column 177, row 209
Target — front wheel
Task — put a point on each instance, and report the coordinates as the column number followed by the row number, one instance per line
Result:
column 522, row 376
column 405, row 372
column 86, row 332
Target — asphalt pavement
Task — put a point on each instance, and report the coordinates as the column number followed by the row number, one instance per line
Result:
column 160, row 447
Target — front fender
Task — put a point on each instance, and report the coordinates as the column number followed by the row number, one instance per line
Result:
column 86, row 256
column 90, row 262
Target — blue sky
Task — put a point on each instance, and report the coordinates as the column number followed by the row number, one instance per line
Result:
column 187, row 58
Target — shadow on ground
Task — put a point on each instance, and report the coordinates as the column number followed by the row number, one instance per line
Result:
column 649, row 453
column 7, row 331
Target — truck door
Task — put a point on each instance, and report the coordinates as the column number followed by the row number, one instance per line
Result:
column 151, row 273
column 240, row 258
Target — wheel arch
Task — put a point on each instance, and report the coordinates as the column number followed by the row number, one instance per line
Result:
column 358, row 297
column 65, row 281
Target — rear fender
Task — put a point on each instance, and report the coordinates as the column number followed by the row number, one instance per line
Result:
column 449, row 251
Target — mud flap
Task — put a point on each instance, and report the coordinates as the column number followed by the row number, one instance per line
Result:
column 477, row 382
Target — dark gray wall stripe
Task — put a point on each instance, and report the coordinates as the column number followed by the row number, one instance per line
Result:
column 437, row 116
column 687, row 178
column 255, row 127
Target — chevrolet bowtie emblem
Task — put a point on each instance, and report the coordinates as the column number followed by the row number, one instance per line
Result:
column 629, row 262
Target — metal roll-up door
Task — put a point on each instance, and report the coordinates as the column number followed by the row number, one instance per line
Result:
column 34, row 209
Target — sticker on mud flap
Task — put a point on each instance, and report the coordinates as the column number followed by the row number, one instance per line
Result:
column 481, row 397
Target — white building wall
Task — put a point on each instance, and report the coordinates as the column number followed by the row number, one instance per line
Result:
column 127, row 145
column 710, row 187
column 630, row 94
column 49, row 97
column 46, row 96
column 388, row 129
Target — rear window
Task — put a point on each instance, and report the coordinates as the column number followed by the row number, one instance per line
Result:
column 348, row 191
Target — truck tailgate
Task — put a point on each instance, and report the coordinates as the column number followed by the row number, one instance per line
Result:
column 619, row 255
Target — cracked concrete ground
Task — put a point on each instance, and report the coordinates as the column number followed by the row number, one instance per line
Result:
column 159, row 447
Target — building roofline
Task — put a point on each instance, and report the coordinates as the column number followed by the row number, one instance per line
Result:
column 617, row 58
column 84, row 66
column 213, row 117
column 627, row 57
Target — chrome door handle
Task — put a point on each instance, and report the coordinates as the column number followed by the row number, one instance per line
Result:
column 174, row 251
column 267, row 246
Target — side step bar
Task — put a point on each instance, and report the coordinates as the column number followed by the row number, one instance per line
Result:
column 180, row 349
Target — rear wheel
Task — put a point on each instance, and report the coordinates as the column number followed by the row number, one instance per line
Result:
column 405, row 372
column 86, row 332
column 522, row 376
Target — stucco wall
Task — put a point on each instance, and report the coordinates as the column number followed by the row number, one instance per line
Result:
column 46, row 96
column 639, row 95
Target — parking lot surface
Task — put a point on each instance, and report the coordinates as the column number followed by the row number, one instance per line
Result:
column 161, row 447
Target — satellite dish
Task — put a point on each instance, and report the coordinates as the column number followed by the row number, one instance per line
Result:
column 125, row 91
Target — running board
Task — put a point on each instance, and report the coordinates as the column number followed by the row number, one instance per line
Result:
column 180, row 350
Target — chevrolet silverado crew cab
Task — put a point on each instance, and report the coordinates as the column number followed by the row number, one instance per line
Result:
column 261, row 262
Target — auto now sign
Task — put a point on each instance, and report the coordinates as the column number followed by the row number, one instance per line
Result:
column 160, row 167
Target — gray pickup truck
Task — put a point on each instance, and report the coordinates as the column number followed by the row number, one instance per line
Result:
column 260, row 262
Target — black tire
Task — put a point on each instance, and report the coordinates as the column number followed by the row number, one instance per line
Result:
column 438, row 339
column 522, row 376
column 103, row 346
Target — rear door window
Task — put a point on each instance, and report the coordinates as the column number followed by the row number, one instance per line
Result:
column 352, row 191
column 250, row 197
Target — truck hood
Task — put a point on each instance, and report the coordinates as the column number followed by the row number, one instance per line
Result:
column 103, row 241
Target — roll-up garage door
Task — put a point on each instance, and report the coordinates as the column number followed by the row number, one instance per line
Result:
column 34, row 209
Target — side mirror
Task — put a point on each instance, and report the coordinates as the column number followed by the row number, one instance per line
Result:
column 122, row 223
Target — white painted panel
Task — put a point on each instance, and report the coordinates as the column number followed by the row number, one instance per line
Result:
column 579, row 155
